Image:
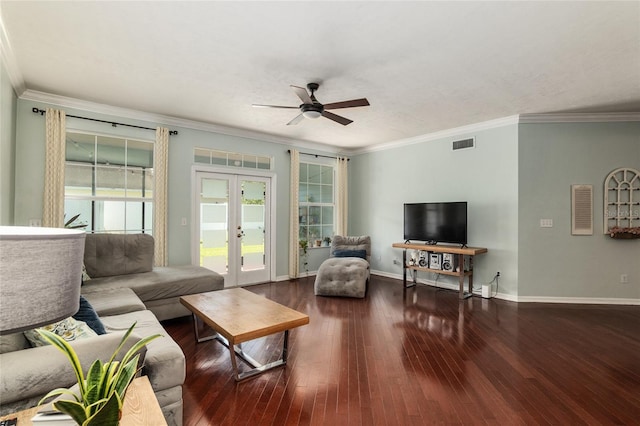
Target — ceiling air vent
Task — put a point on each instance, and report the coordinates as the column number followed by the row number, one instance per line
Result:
column 464, row 143
column 582, row 209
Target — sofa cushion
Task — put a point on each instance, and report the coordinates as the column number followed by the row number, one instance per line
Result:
column 346, row 276
column 164, row 362
column 362, row 254
column 114, row 301
column 30, row 374
column 161, row 282
column 340, row 242
column 13, row 342
column 106, row 255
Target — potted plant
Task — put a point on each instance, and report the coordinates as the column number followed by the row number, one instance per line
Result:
column 70, row 224
column 304, row 245
column 101, row 392
column 327, row 241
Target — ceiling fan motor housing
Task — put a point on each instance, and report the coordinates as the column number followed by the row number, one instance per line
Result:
column 317, row 107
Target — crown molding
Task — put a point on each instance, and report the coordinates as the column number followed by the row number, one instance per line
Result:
column 166, row 120
column 600, row 117
column 612, row 117
column 456, row 131
column 9, row 60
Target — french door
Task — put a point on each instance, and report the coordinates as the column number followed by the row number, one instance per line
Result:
column 233, row 226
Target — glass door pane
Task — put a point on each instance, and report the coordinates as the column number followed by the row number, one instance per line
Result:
column 214, row 224
column 253, row 225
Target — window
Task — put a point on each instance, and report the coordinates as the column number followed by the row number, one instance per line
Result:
column 231, row 159
column 316, row 203
column 109, row 182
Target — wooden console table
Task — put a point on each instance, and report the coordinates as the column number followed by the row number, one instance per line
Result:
column 460, row 252
column 140, row 407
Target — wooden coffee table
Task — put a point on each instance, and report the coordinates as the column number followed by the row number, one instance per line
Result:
column 238, row 315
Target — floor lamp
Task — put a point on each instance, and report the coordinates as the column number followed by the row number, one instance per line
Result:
column 40, row 276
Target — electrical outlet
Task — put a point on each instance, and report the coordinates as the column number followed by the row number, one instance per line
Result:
column 624, row 278
column 546, row 223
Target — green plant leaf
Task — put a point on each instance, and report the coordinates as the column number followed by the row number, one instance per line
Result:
column 58, row 392
column 125, row 376
column 70, row 221
column 122, row 341
column 91, row 397
column 108, row 414
column 68, row 351
column 138, row 346
column 75, row 409
column 94, row 375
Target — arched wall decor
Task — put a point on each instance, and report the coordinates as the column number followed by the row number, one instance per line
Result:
column 622, row 203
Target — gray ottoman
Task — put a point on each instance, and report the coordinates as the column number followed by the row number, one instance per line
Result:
column 345, row 276
column 342, row 276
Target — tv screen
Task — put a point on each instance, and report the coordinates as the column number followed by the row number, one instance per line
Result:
column 436, row 222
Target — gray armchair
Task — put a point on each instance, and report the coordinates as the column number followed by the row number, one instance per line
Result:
column 346, row 272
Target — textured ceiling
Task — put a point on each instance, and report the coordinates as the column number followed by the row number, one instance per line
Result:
column 424, row 66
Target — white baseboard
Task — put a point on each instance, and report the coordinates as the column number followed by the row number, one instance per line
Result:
column 525, row 299
column 579, row 300
column 302, row 275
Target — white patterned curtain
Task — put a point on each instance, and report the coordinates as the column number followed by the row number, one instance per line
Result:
column 294, row 248
column 342, row 196
column 160, row 166
column 53, row 202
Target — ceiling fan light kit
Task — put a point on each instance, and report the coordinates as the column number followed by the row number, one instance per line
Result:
column 312, row 108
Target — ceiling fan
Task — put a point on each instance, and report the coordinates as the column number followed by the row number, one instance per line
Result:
column 311, row 108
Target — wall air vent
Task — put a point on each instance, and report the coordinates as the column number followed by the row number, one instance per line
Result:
column 581, row 209
column 464, row 143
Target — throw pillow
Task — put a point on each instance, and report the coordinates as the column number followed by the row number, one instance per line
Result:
column 69, row 329
column 85, row 276
column 350, row 253
column 88, row 315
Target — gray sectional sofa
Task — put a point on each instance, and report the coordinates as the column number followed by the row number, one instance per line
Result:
column 124, row 288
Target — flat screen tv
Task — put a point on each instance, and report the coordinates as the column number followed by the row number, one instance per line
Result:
column 436, row 222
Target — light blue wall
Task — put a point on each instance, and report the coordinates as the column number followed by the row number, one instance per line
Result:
column 484, row 176
column 515, row 176
column 8, row 103
column 30, row 172
column 552, row 262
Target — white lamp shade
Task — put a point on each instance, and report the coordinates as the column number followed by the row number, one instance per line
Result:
column 40, row 276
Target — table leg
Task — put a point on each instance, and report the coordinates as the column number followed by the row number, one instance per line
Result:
column 236, row 351
column 462, row 294
column 199, row 339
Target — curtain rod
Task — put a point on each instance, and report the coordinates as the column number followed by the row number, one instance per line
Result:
column 113, row 123
column 319, row 155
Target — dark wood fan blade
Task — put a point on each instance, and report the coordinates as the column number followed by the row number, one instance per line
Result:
column 296, row 120
column 336, row 118
column 348, row 104
column 302, row 94
column 273, row 106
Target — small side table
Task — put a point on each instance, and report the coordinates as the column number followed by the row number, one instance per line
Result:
column 140, row 407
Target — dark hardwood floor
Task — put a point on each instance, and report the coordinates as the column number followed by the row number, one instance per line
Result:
column 424, row 358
